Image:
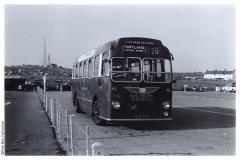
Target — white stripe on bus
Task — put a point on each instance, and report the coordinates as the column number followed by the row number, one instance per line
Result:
column 86, row 99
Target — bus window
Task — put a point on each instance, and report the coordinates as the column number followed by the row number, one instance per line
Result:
column 80, row 70
column 167, row 65
column 73, row 71
column 85, row 69
column 105, row 65
column 76, row 71
column 90, row 66
column 96, row 66
column 126, row 69
column 154, row 70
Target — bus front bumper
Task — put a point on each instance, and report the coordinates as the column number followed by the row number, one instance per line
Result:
column 134, row 120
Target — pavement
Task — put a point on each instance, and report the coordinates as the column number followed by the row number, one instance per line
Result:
column 28, row 130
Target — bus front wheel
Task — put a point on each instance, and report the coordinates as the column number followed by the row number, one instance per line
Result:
column 98, row 121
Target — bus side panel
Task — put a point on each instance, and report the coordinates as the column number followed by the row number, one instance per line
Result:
column 75, row 89
column 104, row 96
column 85, row 95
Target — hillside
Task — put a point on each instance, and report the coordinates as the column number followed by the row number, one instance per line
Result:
column 60, row 75
column 35, row 73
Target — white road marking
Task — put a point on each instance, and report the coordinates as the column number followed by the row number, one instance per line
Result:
column 205, row 111
column 222, row 99
column 8, row 103
column 203, row 97
column 195, row 96
column 212, row 98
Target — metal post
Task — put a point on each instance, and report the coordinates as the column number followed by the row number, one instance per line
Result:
column 54, row 112
column 51, row 117
column 87, row 132
column 44, row 83
column 67, row 130
column 46, row 105
column 58, row 120
column 71, row 133
column 44, row 88
column 59, row 123
column 99, row 149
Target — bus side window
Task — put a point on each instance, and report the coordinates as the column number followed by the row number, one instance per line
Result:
column 90, row 68
column 80, row 70
column 96, row 66
column 73, row 71
column 85, row 69
column 105, row 65
column 76, row 72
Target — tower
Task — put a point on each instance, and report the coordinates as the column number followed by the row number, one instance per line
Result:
column 49, row 60
column 44, row 56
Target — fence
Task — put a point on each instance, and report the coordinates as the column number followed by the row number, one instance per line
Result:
column 72, row 135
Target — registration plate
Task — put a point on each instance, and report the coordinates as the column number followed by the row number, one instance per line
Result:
column 141, row 116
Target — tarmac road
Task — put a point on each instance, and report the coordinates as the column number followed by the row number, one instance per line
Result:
column 204, row 123
column 27, row 128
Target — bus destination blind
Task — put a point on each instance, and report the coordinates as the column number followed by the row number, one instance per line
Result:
column 140, row 47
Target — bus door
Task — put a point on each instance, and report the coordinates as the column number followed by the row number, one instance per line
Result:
column 84, row 93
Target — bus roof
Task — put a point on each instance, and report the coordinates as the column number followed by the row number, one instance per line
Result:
column 118, row 44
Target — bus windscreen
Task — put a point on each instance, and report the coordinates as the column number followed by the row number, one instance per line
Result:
column 132, row 68
column 126, row 69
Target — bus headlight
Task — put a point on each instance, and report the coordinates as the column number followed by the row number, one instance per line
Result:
column 166, row 105
column 116, row 104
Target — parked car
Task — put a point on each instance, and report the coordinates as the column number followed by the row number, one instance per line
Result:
column 29, row 86
column 229, row 88
column 67, row 86
column 51, row 86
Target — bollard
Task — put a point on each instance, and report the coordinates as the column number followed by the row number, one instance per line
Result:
column 97, row 149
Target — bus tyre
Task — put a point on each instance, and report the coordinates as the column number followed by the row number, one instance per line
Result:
column 98, row 121
column 78, row 110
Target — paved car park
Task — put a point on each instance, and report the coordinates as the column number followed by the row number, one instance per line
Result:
column 204, row 123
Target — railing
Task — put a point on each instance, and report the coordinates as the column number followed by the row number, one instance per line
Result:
column 71, row 134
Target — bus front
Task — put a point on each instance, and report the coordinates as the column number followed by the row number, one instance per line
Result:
column 141, row 81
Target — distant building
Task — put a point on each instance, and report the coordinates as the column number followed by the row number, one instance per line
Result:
column 226, row 75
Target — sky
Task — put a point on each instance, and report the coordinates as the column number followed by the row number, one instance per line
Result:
column 200, row 37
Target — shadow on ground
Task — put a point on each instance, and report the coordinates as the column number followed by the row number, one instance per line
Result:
column 188, row 119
